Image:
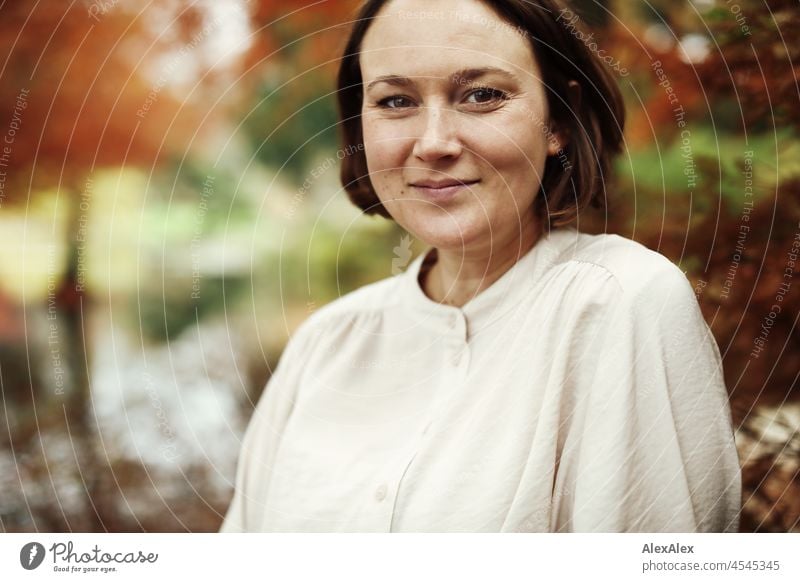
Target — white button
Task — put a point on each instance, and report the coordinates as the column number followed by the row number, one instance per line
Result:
column 380, row 492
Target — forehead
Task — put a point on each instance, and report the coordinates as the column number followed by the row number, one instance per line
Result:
column 424, row 38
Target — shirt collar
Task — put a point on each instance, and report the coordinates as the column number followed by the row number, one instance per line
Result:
column 492, row 303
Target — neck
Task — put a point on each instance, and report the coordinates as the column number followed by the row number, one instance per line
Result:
column 457, row 276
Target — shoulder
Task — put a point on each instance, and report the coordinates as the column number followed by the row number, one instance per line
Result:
column 369, row 300
column 631, row 267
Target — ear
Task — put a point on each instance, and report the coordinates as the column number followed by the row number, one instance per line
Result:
column 559, row 136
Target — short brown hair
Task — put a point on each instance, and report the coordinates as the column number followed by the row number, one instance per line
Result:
column 594, row 125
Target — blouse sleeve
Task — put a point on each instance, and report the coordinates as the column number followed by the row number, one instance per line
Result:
column 651, row 447
column 261, row 440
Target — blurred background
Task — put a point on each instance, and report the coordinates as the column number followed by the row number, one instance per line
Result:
column 170, row 211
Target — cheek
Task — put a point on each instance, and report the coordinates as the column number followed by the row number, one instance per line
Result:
column 514, row 153
column 382, row 147
column 386, row 154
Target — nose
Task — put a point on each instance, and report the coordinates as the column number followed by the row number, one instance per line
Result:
column 438, row 138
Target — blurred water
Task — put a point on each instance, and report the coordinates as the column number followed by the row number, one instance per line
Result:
column 172, row 405
column 166, row 423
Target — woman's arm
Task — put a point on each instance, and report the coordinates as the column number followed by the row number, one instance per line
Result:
column 261, row 440
column 651, row 447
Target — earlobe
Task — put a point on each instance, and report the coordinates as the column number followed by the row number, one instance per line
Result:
column 557, row 139
column 556, row 142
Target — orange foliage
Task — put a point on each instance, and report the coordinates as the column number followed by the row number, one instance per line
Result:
column 87, row 88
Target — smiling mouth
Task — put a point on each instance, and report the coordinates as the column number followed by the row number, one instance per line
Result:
column 443, row 190
column 443, row 184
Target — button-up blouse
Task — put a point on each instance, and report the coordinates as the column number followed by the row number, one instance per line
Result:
column 581, row 391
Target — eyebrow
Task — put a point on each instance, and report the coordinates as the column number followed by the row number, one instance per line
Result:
column 458, row 77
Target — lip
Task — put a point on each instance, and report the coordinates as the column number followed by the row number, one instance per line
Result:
column 442, row 190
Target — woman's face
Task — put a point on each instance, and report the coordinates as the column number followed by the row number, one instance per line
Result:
column 453, row 95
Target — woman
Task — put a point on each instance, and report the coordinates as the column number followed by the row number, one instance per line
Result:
column 520, row 375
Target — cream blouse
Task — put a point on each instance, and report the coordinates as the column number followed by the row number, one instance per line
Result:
column 582, row 391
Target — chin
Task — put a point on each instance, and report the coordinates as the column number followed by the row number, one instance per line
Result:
column 447, row 233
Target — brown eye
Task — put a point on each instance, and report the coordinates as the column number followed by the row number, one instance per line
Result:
column 395, row 102
column 487, row 95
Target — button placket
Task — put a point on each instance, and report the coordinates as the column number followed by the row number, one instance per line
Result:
column 453, row 338
column 460, row 357
column 450, row 382
column 459, row 345
column 459, row 325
